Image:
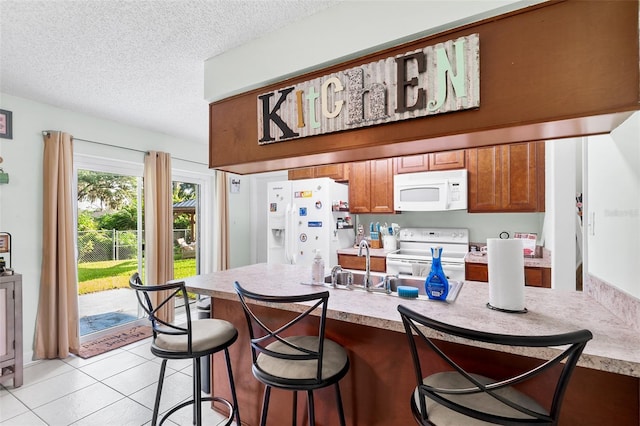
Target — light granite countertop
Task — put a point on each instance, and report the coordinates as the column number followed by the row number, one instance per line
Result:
column 535, row 262
column 615, row 347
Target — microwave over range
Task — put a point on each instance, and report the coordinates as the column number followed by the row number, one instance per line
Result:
column 430, row 191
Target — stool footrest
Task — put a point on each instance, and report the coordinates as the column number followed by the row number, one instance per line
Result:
column 232, row 409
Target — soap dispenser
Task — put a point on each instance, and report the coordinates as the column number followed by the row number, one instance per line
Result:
column 436, row 285
column 317, row 269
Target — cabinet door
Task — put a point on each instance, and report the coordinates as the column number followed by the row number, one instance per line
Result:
column 359, row 187
column 506, row 178
column 7, row 328
column 537, row 277
column 338, row 172
column 476, row 272
column 412, row 163
column 519, row 177
column 381, row 186
column 302, row 173
column 484, row 179
column 447, row 160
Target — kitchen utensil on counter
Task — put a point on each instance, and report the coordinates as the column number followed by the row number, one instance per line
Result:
column 374, row 235
column 389, row 243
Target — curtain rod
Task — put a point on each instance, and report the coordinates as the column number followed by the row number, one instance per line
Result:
column 46, row 133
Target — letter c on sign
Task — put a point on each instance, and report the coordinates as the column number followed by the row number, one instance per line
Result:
column 323, row 93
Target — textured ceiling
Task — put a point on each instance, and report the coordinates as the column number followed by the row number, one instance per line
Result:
column 137, row 62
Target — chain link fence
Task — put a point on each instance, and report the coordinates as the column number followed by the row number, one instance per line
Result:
column 102, row 245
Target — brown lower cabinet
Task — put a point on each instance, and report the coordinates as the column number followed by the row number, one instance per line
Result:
column 348, row 261
column 534, row 277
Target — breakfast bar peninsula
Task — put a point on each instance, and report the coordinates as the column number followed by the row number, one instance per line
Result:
column 604, row 389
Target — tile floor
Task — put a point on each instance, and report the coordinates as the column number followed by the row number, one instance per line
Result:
column 116, row 388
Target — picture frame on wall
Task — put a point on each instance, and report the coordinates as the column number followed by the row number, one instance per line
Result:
column 4, row 243
column 6, row 124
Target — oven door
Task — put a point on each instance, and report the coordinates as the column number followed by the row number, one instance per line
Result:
column 421, row 268
column 396, row 266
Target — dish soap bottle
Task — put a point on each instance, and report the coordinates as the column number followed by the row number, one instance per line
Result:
column 436, row 285
column 317, row 269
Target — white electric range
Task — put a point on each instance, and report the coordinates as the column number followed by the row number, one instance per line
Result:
column 414, row 254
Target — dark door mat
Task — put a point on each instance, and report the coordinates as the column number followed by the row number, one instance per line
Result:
column 114, row 341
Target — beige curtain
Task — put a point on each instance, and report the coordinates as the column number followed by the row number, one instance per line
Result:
column 158, row 224
column 222, row 222
column 57, row 331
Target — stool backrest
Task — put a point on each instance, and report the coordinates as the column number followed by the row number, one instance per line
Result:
column 264, row 331
column 152, row 298
column 559, row 365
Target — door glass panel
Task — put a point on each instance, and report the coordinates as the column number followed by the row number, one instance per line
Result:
column 109, row 250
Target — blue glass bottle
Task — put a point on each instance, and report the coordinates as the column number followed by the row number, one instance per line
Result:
column 436, row 285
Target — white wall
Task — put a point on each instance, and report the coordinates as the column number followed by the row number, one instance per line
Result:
column 560, row 219
column 21, row 199
column 481, row 225
column 239, row 222
column 613, row 221
column 347, row 30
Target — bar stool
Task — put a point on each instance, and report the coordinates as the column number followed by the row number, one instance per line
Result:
column 193, row 340
column 455, row 396
column 286, row 360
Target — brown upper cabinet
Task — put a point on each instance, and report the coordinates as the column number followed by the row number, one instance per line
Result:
column 337, row 172
column 447, row 160
column 506, row 178
column 371, row 186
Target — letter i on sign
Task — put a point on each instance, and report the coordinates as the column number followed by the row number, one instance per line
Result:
column 299, row 94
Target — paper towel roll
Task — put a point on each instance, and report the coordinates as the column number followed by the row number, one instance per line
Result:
column 506, row 274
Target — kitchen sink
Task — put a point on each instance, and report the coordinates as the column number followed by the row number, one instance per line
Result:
column 354, row 279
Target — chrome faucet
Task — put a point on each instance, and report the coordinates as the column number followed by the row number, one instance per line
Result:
column 344, row 283
column 334, row 275
column 367, row 270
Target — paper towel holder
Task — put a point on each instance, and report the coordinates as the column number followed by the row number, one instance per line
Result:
column 509, row 311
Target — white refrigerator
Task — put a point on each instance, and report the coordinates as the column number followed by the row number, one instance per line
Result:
column 301, row 220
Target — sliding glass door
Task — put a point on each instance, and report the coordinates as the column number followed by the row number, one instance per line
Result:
column 109, row 246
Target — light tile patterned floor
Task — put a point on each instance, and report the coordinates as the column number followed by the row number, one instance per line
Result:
column 113, row 389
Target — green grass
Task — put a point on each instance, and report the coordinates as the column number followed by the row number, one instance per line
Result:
column 112, row 274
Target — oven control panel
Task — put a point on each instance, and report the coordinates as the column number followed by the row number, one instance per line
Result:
column 435, row 235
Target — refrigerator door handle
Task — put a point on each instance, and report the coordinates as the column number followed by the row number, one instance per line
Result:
column 292, row 235
column 287, row 231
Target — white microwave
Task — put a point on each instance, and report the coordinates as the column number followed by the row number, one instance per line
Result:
column 430, row 191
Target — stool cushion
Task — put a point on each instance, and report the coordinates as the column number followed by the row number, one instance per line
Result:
column 205, row 334
column 443, row 416
column 333, row 362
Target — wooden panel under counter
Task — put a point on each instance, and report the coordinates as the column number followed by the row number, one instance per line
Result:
column 537, row 271
column 353, row 261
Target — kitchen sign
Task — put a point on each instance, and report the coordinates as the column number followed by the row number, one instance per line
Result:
column 433, row 80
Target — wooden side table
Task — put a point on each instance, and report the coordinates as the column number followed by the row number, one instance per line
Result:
column 11, row 363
